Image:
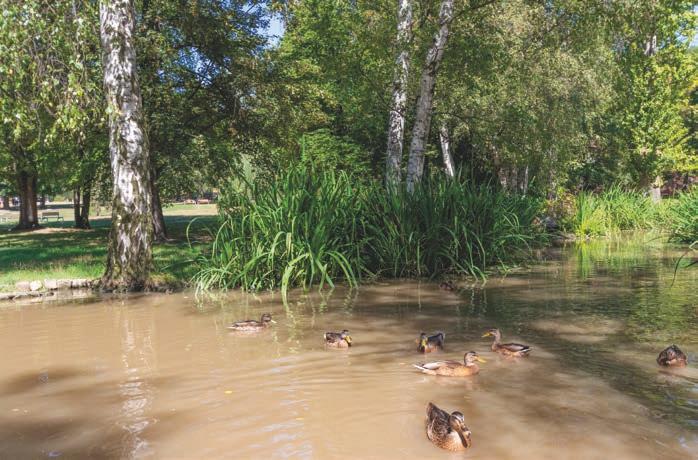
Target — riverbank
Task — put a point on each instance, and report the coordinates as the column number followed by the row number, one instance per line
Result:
column 60, row 252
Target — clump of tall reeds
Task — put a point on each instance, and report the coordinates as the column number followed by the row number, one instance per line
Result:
column 307, row 227
column 610, row 212
column 682, row 217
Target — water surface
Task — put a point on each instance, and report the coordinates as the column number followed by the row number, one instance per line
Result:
column 159, row 376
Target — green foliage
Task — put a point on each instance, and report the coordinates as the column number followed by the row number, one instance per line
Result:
column 326, row 151
column 610, row 212
column 311, row 227
column 683, row 217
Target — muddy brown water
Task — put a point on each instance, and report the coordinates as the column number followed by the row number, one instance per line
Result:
column 159, row 376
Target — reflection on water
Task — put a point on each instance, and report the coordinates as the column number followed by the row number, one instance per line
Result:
column 161, row 377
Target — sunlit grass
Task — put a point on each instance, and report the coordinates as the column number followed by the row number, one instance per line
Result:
column 307, row 228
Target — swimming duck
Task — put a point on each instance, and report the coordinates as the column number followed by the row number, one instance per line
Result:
column 429, row 344
column 453, row 368
column 507, row 349
column 252, row 325
column 447, row 431
column 338, row 339
column 447, row 286
column 672, row 356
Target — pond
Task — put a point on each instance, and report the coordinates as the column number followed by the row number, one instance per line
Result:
column 160, row 376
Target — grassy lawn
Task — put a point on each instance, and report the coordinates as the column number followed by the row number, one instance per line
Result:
column 59, row 251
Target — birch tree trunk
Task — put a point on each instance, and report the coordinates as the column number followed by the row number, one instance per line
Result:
column 425, row 102
column 446, row 151
column 396, row 123
column 129, row 258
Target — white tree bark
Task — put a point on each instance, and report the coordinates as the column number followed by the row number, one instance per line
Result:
column 129, row 258
column 396, row 124
column 446, row 151
column 420, row 131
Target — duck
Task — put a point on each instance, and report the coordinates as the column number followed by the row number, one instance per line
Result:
column 507, row 349
column 252, row 325
column 428, row 344
column 338, row 339
column 453, row 368
column 447, row 286
column 447, row 431
column 672, row 356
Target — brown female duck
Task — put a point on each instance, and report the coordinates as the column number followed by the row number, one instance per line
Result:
column 447, row 431
column 252, row 325
column 453, row 368
column 338, row 339
column 672, row 356
column 428, row 344
column 507, row 349
column 447, row 286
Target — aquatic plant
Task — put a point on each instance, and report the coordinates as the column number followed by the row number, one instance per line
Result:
column 307, row 227
column 612, row 211
column 682, row 217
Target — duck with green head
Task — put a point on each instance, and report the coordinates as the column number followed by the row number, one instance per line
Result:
column 507, row 349
column 447, row 431
column 338, row 339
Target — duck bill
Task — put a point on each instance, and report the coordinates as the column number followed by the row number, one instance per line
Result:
column 273, row 322
column 481, row 360
column 487, row 334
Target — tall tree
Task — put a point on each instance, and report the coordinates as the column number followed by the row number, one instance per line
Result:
column 396, row 122
column 129, row 257
column 425, row 102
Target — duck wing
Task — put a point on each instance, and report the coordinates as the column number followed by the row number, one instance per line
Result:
column 438, row 365
column 516, row 347
column 437, row 339
column 333, row 337
column 244, row 324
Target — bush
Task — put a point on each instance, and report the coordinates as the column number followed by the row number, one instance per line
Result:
column 311, row 227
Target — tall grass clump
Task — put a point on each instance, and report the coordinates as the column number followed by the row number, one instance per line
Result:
column 302, row 228
column 682, row 217
column 308, row 227
column 447, row 226
column 612, row 211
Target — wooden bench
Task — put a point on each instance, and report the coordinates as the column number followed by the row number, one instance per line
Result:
column 46, row 215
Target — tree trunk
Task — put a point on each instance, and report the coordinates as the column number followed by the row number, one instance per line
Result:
column 396, row 123
column 28, row 215
column 446, row 151
column 5, row 202
column 76, row 207
column 85, row 209
column 159, row 229
column 420, row 131
column 130, row 252
column 81, row 206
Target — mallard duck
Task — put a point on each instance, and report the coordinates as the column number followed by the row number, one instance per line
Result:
column 252, row 325
column 447, row 431
column 672, row 356
column 453, row 368
column 506, row 349
column 447, row 286
column 428, row 344
column 338, row 339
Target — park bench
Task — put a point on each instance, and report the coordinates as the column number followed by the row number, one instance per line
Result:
column 46, row 215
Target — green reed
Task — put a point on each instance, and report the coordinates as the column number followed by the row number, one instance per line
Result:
column 308, row 227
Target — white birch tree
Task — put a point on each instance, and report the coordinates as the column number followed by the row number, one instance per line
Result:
column 129, row 259
column 425, row 102
column 396, row 124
